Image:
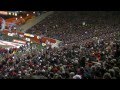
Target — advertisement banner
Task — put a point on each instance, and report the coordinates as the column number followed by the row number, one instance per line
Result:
column 19, row 41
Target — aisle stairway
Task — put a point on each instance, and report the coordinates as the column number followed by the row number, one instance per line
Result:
column 30, row 23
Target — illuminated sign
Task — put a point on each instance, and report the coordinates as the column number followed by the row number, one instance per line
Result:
column 29, row 35
column 3, row 12
column 19, row 41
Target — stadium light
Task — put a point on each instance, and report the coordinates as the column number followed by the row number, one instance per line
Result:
column 15, row 14
column 27, row 14
column 9, row 13
column 33, row 12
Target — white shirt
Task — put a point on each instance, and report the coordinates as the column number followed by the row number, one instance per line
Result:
column 77, row 77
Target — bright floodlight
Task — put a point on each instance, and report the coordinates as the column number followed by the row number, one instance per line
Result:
column 9, row 13
column 34, row 12
column 27, row 14
column 15, row 14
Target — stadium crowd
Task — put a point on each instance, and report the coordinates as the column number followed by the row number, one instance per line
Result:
column 69, row 26
column 90, row 50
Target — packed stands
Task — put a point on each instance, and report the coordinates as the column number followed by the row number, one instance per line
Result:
column 90, row 48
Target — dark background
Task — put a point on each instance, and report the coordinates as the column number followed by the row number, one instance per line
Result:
column 96, row 5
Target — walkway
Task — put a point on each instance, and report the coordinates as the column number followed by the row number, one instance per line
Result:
column 34, row 21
